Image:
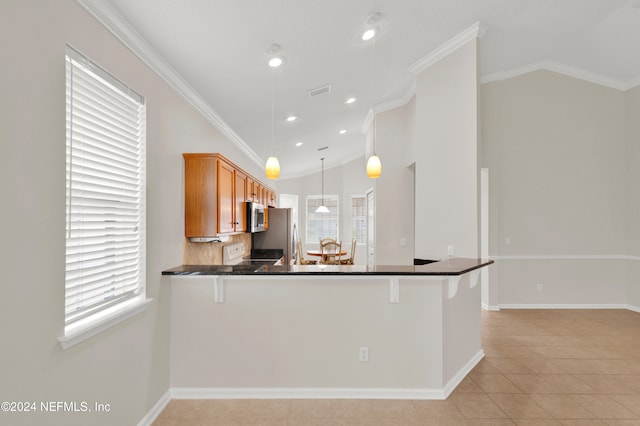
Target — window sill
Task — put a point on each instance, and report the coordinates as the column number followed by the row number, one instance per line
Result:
column 103, row 323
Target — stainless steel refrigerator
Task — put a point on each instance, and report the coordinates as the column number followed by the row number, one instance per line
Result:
column 281, row 234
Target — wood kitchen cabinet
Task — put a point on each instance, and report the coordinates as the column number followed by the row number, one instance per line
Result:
column 226, row 202
column 251, row 193
column 271, row 198
column 215, row 192
column 240, row 195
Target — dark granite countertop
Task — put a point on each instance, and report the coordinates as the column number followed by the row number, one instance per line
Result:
column 452, row 266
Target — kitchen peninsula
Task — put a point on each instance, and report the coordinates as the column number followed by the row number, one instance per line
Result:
column 324, row 332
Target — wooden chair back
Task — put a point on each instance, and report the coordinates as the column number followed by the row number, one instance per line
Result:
column 326, row 240
column 301, row 259
column 330, row 252
column 350, row 261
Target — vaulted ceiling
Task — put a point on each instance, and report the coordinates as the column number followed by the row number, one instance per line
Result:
column 217, row 50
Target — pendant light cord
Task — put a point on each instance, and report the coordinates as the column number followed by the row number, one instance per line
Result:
column 322, row 180
column 373, row 84
column 273, row 103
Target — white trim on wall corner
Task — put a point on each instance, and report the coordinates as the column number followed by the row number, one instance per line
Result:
column 634, row 308
column 476, row 30
column 490, row 307
column 564, row 69
column 567, row 257
column 462, row 373
column 155, row 411
column 562, row 306
column 111, row 19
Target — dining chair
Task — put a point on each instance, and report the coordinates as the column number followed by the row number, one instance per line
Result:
column 349, row 261
column 301, row 259
column 327, row 239
column 330, row 252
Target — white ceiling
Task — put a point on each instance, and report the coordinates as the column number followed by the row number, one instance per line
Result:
column 218, row 47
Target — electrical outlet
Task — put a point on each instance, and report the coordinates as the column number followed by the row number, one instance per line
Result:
column 451, row 250
column 539, row 287
column 364, row 354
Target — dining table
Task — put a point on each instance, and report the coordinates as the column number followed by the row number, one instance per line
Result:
column 333, row 253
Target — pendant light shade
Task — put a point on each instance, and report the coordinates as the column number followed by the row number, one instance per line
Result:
column 272, row 168
column 322, row 208
column 374, row 167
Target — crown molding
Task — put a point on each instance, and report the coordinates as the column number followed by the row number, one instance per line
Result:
column 633, row 83
column 477, row 30
column 111, row 19
column 368, row 120
column 388, row 105
column 564, row 69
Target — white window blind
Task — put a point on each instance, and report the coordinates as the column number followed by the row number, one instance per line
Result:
column 321, row 225
column 105, row 195
column 359, row 218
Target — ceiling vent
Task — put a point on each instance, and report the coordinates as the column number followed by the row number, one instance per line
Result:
column 323, row 148
column 319, row 91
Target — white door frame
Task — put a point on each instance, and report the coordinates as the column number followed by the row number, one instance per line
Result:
column 371, row 226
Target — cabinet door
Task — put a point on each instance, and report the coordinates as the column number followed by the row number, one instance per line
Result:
column 200, row 196
column 240, row 212
column 257, row 192
column 251, row 195
column 226, row 201
column 272, row 198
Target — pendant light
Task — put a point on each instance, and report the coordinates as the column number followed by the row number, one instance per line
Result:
column 272, row 168
column 322, row 208
column 374, row 166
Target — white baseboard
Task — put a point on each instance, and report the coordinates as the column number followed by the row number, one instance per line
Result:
column 459, row 377
column 311, row 393
column 155, row 411
column 307, row 393
column 490, row 307
column 633, row 308
column 563, row 306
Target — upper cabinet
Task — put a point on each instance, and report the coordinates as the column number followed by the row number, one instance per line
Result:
column 215, row 191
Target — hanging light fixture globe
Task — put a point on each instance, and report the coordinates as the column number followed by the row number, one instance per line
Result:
column 272, row 168
column 322, row 208
column 374, row 167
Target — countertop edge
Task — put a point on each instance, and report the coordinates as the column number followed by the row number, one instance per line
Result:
column 448, row 267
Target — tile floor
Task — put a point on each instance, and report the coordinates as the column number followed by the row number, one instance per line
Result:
column 542, row 367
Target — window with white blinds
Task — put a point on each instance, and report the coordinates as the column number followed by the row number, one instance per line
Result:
column 105, row 193
column 359, row 218
column 321, row 225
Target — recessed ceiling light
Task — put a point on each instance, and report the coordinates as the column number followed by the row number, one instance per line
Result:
column 342, row 132
column 292, row 118
column 299, row 143
column 369, row 34
column 350, row 101
column 275, row 62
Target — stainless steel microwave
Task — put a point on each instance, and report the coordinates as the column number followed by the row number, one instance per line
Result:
column 255, row 217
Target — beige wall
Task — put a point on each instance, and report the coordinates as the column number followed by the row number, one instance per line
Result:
column 126, row 366
column 444, row 144
column 555, row 149
column 632, row 107
column 394, row 191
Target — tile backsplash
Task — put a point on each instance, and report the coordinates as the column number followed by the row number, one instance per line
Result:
column 211, row 253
